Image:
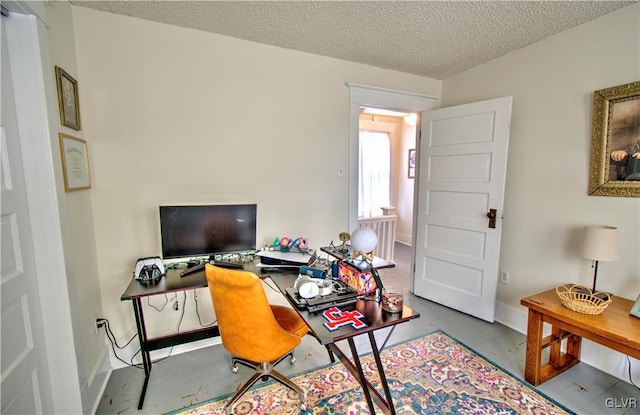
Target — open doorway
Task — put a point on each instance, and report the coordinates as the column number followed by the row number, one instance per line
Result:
column 361, row 96
column 387, row 143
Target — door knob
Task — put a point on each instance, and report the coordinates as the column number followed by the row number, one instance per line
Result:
column 492, row 214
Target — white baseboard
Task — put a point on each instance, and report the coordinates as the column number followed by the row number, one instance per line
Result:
column 403, row 238
column 511, row 317
column 593, row 354
column 96, row 384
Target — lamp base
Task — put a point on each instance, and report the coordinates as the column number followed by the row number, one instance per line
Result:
column 366, row 255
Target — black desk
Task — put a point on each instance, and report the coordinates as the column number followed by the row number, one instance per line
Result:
column 172, row 282
column 375, row 318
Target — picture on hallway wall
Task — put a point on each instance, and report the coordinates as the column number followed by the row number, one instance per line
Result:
column 412, row 163
column 68, row 99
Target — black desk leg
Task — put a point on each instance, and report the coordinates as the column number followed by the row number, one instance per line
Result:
column 363, row 383
column 331, row 356
column 142, row 338
column 383, row 377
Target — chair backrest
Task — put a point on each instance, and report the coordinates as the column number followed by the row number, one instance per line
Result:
column 247, row 325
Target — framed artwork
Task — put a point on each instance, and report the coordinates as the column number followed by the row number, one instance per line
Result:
column 615, row 142
column 635, row 310
column 68, row 99
column 75, row 163
column 412, row 163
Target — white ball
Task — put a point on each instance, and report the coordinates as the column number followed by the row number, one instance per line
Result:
column 364, row 240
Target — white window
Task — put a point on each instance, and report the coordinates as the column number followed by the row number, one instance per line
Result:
column 375, row 172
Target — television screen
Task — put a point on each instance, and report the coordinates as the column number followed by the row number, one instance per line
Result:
column 191, row 231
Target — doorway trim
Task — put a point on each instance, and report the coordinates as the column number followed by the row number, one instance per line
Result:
column 26, row 35
column 371, row 96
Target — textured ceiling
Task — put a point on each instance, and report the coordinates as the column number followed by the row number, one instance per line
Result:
column 436, row 39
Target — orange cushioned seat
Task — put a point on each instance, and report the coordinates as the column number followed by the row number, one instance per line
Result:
column 258, row 335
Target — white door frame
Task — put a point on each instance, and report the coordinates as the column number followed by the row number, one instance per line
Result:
column 27, row 45
column 371, row 96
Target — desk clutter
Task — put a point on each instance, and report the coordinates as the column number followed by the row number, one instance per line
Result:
column 315, row 290
column 325, row 283
column 335, row 293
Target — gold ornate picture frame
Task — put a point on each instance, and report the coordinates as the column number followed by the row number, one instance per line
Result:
column 615, row 142
column 68, row 99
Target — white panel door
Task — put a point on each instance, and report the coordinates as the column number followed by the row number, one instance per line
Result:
column 25, row 378
column 462, row 166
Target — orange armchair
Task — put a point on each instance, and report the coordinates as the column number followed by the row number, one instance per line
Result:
column 257, row 334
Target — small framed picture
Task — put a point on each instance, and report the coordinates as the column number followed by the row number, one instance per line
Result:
column 68, row 99
column 75, row 163
column 412, row 163
column 635, row 310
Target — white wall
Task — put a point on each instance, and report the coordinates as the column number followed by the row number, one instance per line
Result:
column 404, row 229
column 546, row 203
column 175, row 115
column 76, row 217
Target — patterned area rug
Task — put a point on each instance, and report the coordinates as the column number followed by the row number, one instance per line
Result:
column 434, row 374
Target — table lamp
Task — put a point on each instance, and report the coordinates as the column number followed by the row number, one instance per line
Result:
column 364, row 241
column 599, row 243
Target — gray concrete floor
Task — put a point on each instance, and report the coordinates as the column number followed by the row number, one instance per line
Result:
column 204, row 374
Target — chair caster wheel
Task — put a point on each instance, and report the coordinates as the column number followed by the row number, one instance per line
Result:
column 234, row 369
column 292, row 360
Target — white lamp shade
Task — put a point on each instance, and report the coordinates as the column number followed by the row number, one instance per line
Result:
column 364, row 240
column 600, row 243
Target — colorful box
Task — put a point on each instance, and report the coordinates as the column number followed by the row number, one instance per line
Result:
column 362, row 282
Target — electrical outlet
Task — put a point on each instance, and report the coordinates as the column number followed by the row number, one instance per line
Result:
column 504, row 277
column 99, row 322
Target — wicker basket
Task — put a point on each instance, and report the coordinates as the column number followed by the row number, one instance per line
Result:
column 582, row 299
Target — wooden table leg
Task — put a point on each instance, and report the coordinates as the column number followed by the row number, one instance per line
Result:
column 574, row 344
column 535, row 372
column 555, row 347
column 534, row 348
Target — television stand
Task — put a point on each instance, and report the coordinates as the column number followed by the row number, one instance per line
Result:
column 221, row 264
column 228, row 264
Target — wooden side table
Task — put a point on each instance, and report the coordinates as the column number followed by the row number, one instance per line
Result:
column 614, row 328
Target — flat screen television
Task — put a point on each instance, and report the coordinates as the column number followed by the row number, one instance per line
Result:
column 195, row 231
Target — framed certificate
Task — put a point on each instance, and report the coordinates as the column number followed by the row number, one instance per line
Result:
column 75, row 163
